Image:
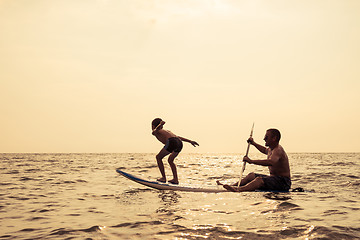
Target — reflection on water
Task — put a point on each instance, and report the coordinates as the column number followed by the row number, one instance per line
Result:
column 79, row 196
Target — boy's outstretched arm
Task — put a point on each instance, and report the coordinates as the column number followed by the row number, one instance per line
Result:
column 189, row 141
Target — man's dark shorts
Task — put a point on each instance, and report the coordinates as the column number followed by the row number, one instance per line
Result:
column 275, row 183
column 173, row 144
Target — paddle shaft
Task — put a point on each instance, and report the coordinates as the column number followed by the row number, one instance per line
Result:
column 247, row 152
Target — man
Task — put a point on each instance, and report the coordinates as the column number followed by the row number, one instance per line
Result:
column 277, row 162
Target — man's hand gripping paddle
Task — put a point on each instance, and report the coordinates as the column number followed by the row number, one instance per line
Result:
column 247, row 152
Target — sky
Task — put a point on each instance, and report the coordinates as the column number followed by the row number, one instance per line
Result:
column 91, row 75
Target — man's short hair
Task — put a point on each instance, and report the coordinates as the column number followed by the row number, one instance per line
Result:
column 156, row 122
column 275, row 133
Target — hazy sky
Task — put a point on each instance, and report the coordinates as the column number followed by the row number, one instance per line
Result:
column 90, row 75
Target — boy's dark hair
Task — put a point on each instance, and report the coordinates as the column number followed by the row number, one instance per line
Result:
column 156, row 122
column 275, row 133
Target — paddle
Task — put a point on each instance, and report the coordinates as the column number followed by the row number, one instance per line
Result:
column 247, row 152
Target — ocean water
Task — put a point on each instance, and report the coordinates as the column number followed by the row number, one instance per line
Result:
column 80, row 196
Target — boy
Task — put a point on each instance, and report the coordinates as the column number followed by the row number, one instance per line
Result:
column 173, row 146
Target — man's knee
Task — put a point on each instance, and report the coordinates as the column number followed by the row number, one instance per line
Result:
column 252, row 175
column 259, row 180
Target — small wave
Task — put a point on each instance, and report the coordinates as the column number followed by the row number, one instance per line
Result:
column 32, row 170
column 7, row 237
column 5, row 184
column 338, row 164
column 28, row 230
column 277, row 196
column 338, row 232
column 81, row 180
column 213, row 178
column 20, row 198
column 24, row 165
column 137, row 224
column 28, row 179
column 68, row 181
column 288, row 206
column 300, row 232
column 207, row 210
column 91, row 229
column 43, row 210
column 333, row 212
column 63, row 231
column 36, row 218
column 355, row 183
column 322, row 174
column 151, row 166
column 350, row 176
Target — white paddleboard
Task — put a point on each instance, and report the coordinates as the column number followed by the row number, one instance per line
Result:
column 165, row 186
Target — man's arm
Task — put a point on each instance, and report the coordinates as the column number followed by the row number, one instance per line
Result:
column 265, row 162
column 259, row 147
column 189, row 141
column 275, row 157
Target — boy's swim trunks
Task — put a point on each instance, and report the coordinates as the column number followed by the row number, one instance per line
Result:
column 173, row 144
column 277, row 183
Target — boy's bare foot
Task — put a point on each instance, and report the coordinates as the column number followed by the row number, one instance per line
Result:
column 173, row 181
column 229, row 188
column 163, row 180
column 219, row 183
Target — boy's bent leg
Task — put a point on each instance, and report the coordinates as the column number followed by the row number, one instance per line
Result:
column 160, row 163
column 171, row 159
